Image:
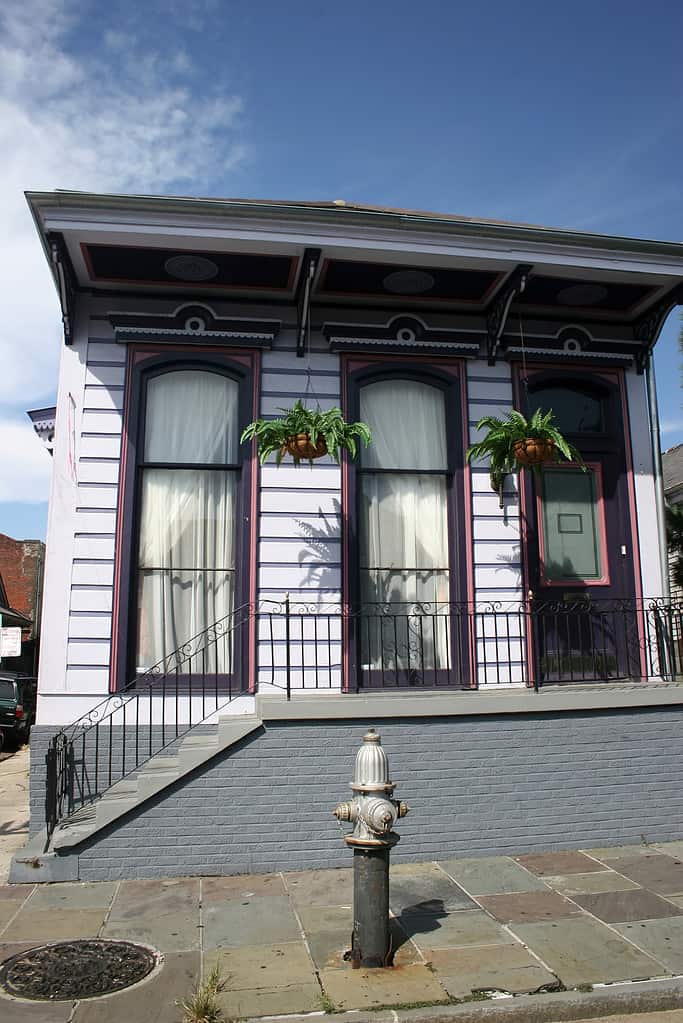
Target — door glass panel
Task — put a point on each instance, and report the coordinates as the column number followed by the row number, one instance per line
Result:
column 575, row 411
column 571, row 525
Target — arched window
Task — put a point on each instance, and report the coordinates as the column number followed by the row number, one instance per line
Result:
column 403, row 566
column 188, row 486
column 403, row 527
column 577, row 409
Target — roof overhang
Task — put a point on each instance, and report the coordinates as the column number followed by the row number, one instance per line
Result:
column 330, row 257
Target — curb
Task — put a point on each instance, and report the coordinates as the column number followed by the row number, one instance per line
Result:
column 557, row 1007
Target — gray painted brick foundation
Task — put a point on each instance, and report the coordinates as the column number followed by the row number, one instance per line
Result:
column 476, row 786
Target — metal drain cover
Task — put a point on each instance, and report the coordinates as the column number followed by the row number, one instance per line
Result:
column 76, row 969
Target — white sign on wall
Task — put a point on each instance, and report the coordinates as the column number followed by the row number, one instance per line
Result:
column 10, row 642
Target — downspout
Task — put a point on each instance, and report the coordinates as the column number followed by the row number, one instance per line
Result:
column 658, row 477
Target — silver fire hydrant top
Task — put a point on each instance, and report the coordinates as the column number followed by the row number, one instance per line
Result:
column 372, row 811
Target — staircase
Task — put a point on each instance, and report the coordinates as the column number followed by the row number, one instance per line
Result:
column 157, row 774
column 147, row 736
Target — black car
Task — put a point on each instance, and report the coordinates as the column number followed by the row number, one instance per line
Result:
column 17, row 706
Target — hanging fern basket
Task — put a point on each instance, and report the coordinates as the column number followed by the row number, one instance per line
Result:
column 299, row 445
column 533, row 451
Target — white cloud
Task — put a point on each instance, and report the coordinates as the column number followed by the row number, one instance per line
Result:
column 123, row 120
column 26, row 466
column 667, row 426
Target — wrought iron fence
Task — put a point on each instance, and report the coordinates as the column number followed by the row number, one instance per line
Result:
column 377, row 646
column 373, row 647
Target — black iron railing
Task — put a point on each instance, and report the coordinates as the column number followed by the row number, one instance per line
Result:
column 373, row 647
column 434, row 645
column 129, row 727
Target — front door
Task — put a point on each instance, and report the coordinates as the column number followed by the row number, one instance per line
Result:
column 580, row 558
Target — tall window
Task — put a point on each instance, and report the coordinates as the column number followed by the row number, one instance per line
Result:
column 403, row 529
column 188, row 487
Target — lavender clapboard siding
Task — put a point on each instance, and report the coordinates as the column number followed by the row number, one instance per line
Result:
column 102, row 496
column 300, row 514
column 94, row 519
column 496, row 548
column 89, row 626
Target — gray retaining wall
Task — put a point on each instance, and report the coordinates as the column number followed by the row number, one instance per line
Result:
column 477, row 786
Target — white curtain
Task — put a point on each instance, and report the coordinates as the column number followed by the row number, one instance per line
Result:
column 408, row 422
column 187, row 518
column 191, row 416
column 405, row 537
column 403, row 529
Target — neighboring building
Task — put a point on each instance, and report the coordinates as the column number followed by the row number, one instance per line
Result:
column 21, row 573
column 672, row 463
column 186, row 584
column 672, row 469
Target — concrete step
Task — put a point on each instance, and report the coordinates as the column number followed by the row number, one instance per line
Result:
column 158, row 763
column 198, row 740
column 123, row 789
column 151, row 783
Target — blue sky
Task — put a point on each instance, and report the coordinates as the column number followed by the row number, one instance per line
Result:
column 560, row 114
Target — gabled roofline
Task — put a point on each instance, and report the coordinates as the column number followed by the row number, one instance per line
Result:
column 385, row 217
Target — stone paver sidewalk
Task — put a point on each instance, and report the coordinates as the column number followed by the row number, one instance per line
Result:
column 523, row 924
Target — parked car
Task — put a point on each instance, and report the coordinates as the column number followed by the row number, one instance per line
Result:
column 17, row 706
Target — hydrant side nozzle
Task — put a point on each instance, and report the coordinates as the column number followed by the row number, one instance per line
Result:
column 346, row 812
column 403, row 809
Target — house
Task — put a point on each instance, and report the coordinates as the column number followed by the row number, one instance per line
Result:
column 21, row 594
column 218, row 635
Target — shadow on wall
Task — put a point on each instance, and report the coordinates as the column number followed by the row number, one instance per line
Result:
column 322, row 555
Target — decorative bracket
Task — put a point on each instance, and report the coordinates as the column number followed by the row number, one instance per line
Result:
column 649, row 327
column 309, row 269
column 497, row 314
column 66, row 283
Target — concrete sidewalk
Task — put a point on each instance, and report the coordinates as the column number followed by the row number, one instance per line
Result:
column 554, row 921
column 14, row 783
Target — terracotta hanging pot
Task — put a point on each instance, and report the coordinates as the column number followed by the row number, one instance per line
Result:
column 533, row 451
column 300, row 446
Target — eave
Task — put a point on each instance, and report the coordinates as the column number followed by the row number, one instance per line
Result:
column 319, row 256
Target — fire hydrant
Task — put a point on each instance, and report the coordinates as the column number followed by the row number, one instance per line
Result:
column 373, row 812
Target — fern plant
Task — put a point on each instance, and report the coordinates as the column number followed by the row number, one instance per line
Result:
column 329, row 427
column 505, row 434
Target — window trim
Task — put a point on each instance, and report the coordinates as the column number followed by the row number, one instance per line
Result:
column 450, row 376
column 145, row 362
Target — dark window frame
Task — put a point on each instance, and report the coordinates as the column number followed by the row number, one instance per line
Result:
column 451, row 384
column 142, row 368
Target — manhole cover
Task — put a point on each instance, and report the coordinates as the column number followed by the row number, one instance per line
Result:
column 75, row 969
